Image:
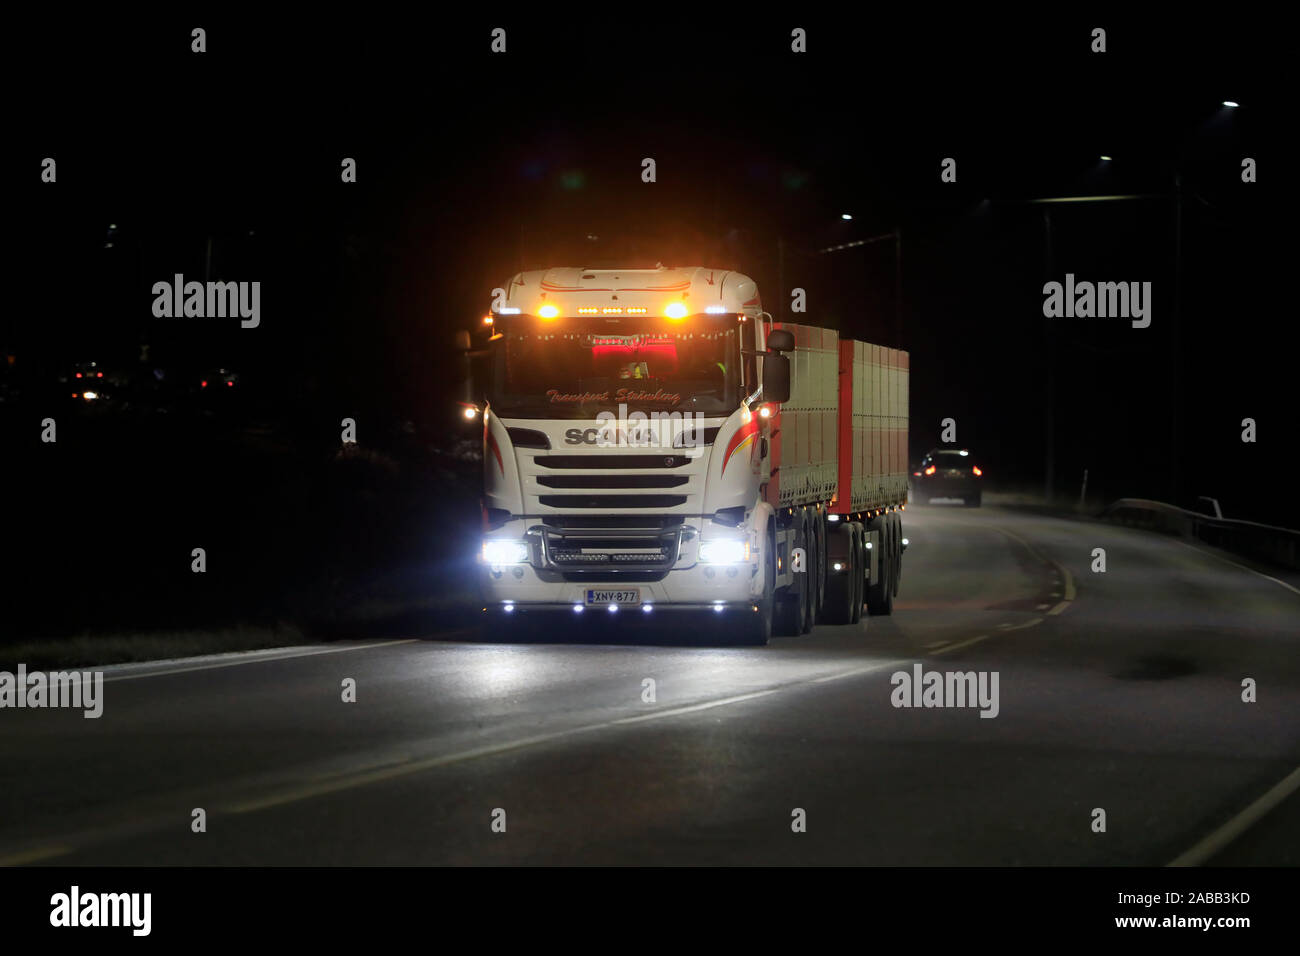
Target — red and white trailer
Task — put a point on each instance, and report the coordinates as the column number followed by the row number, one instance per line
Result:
column 654, row 443
column 839, row 446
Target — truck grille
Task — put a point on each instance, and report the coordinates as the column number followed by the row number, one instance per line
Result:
column 593, row 546
column 612, row 481
column 612, row 461
column 612, row 501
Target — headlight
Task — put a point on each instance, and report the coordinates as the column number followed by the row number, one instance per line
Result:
column 724, row 551
column 504, row 551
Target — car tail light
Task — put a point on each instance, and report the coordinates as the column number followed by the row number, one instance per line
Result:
column 230, row 384
column 78, row 375
column 916, row 474
column 930, row 470
column 976, row 469
column 99, row 375
column 203, row 384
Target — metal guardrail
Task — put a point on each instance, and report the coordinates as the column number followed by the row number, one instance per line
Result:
column 1249, row 538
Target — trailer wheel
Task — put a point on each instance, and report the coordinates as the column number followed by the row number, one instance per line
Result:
column 858, row 571
column 898, row 551
column 838, row 605
column 880, row 596
column 809, row 575
column 819, row 552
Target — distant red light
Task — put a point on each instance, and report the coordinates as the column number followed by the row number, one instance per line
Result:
column 78, row 375
column 204, row 383
column 230, row 385
column 977, row 471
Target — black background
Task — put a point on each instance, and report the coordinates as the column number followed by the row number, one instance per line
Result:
column 473, row 165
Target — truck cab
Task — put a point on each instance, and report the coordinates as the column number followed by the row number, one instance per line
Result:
column 630, row 455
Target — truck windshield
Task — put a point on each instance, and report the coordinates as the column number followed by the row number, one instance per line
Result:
column 577, row 368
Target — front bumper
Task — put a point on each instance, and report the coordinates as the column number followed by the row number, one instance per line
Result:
column 695, row 587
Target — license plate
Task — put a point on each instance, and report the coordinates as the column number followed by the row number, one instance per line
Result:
column 620, row 596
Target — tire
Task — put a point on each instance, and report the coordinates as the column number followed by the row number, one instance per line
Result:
column 837, row 607
column 857, row 572
column 898, row 551
column 792, row 605
column 880, row 596
column 973, row 501
column 819, row 548
column 810, row 576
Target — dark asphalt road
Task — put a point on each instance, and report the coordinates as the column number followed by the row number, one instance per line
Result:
column 1119, row 691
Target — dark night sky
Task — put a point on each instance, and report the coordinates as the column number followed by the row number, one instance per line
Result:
column 472, row 166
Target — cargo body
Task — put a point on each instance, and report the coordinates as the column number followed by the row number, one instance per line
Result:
column 633, row 463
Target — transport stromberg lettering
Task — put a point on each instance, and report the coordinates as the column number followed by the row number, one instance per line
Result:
column 658, row 396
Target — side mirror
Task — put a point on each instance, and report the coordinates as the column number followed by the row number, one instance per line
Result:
column 776, row 377
column 780, row 340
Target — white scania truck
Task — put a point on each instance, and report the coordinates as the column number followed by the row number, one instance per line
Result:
column 654, row 444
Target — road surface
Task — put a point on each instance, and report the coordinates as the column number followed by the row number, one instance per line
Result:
column 1119, row 691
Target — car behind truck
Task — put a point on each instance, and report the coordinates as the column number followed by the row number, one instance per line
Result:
column 655, row 444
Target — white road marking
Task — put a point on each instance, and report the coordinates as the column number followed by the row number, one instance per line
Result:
column 959, row 645
column 1210, row 846
column 1266, row 577
column 259, row 659
column 349, row 780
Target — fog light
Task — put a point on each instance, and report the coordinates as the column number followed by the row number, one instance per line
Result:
column 504, row 551
column 724, row 551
